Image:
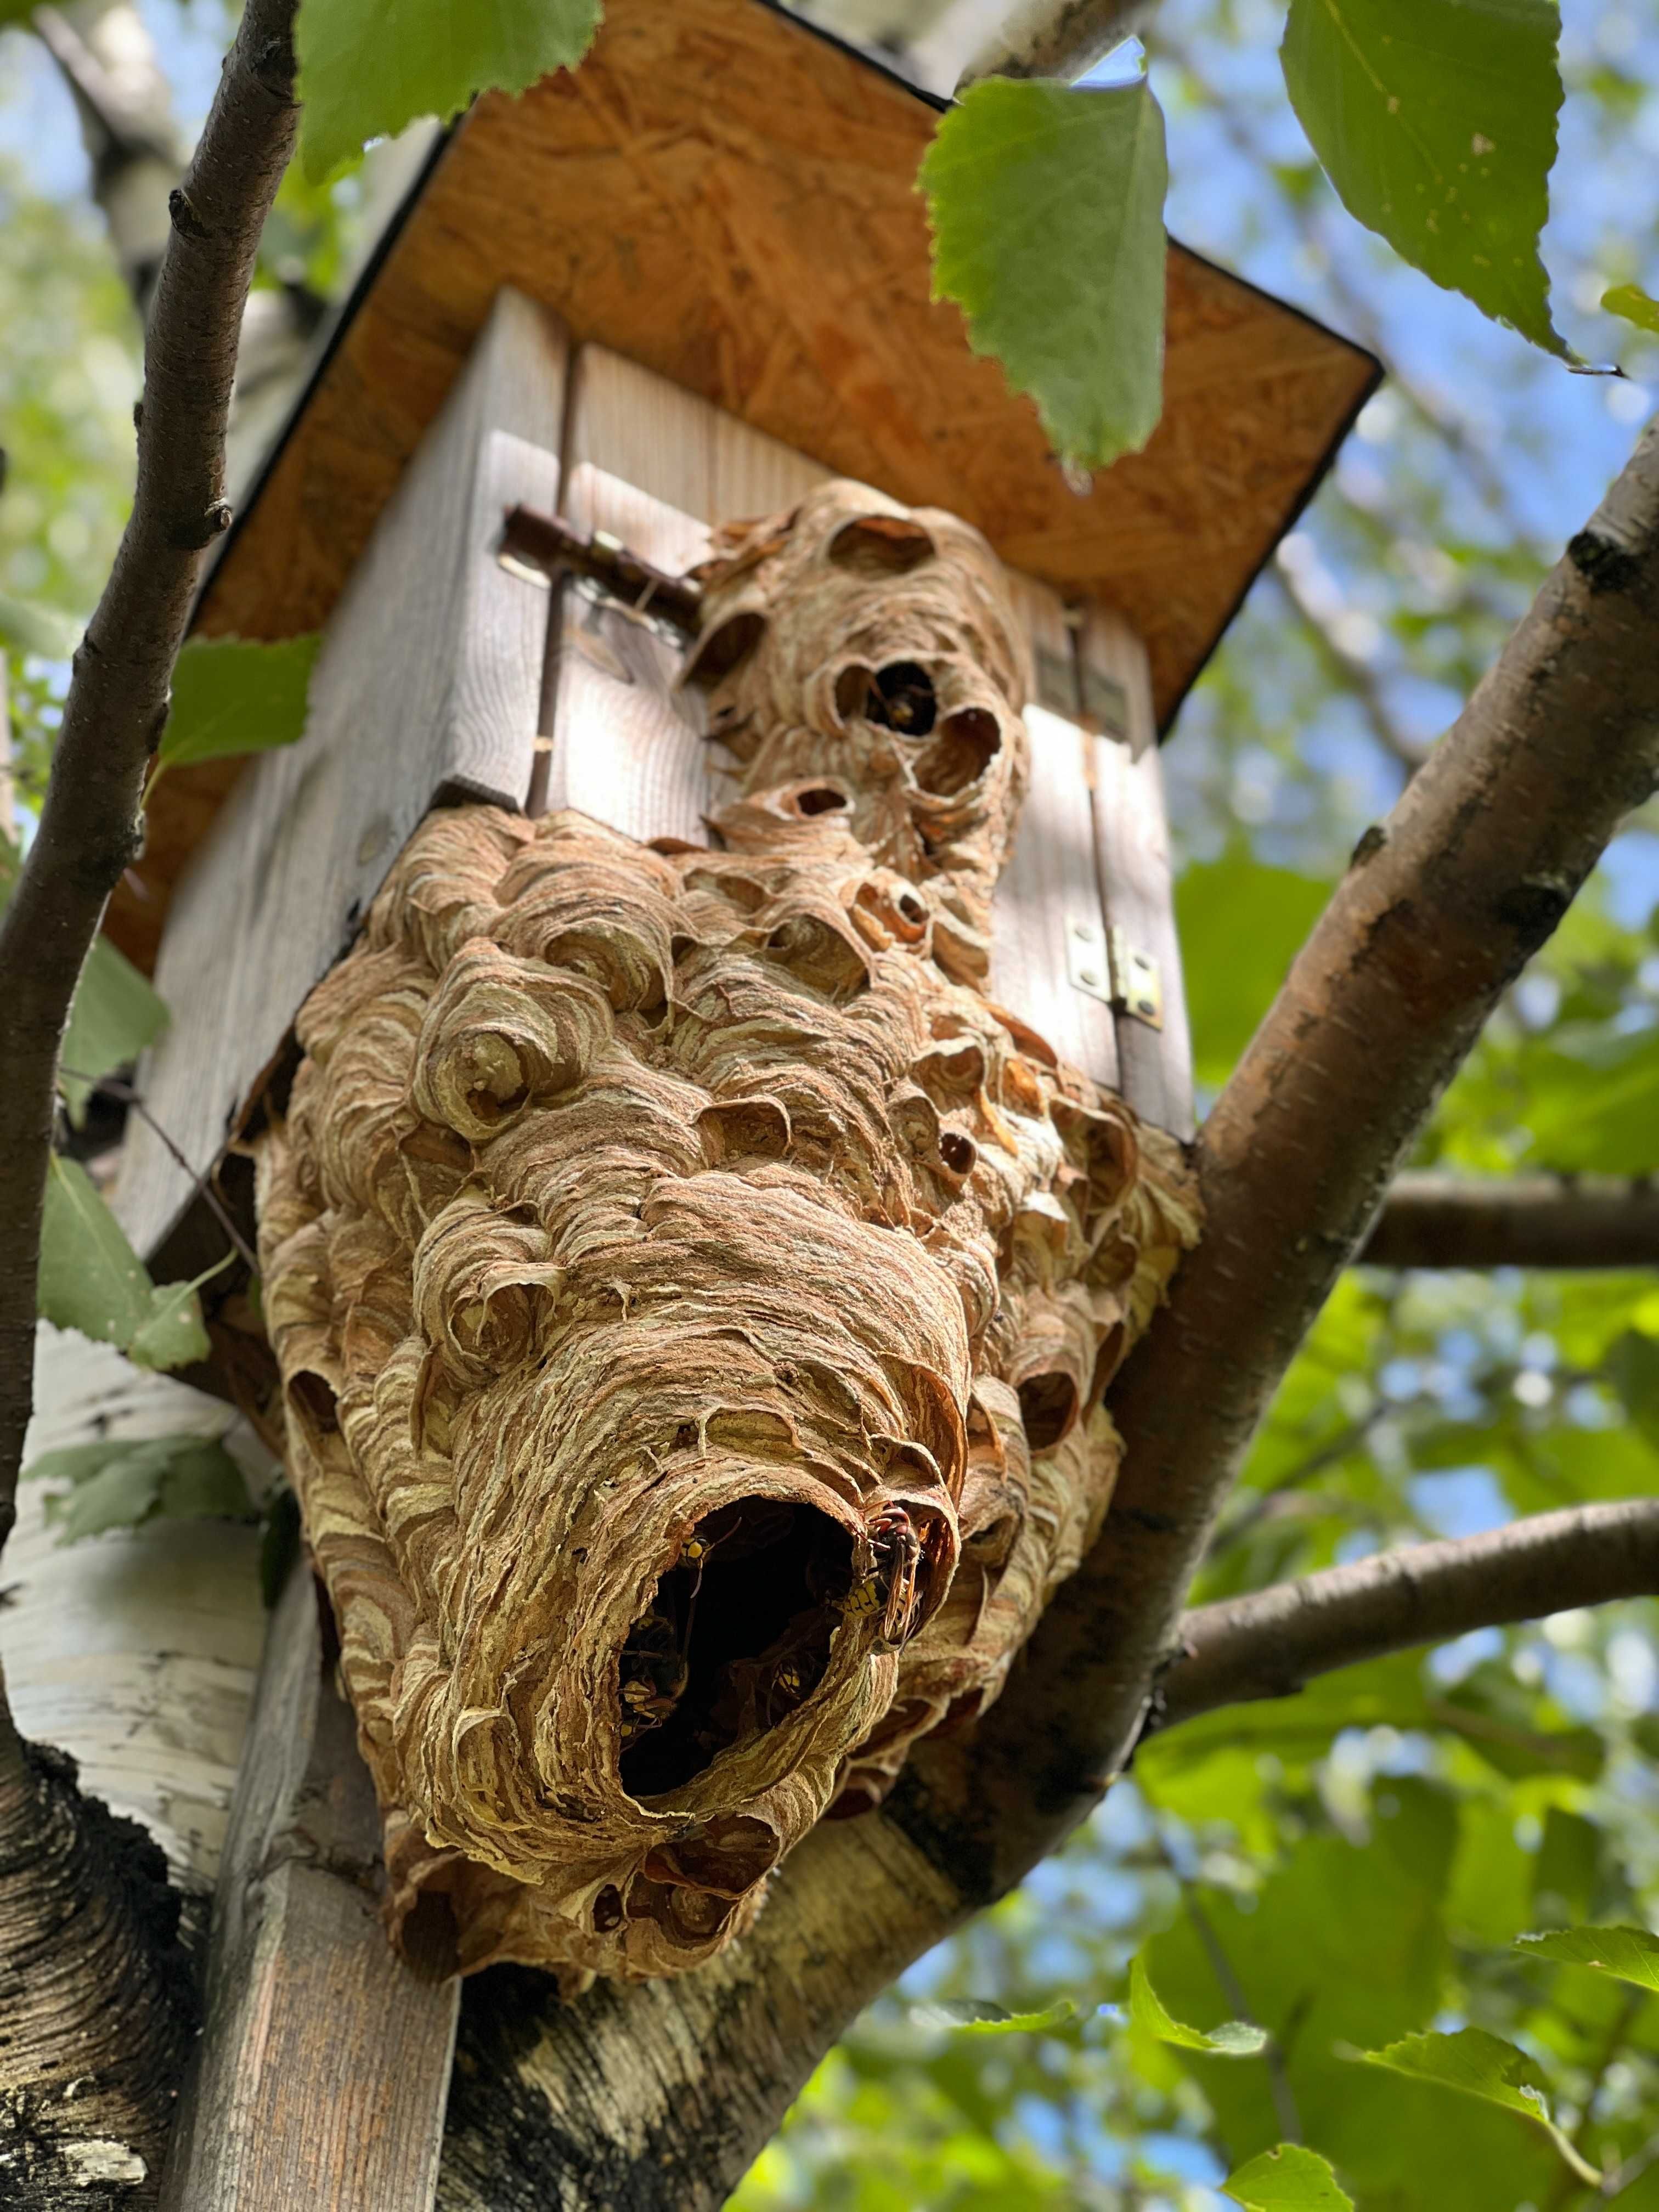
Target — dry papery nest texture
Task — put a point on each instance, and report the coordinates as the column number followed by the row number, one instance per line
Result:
column 694, row 1297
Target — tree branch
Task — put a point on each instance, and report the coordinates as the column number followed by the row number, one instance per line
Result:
column 1275, row 1641
column 1357, row 676
column 89, row 825
column 107, row 59
column 1056, row 38
column 1438, row 913
column 1527, row 1221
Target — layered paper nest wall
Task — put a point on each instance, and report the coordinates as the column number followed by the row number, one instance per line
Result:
column 694, row 1297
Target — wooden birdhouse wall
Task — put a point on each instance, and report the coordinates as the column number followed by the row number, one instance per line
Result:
column 448, row 674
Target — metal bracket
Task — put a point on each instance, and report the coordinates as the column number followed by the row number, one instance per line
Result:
column 1105, row 965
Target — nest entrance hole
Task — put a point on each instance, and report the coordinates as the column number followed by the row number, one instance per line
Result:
column 736, row 1638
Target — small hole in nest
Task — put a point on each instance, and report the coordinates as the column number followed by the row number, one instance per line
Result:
column 1047, row 1406
column 968, row 742
column 880, row 545
column 314, row 1400
column 958, row 1152
column 820, row 799
column 902, row 698
column 1108, row 1360
column 912, row 907
column 716, row 654
column 736, row 1638
column 608, row 1908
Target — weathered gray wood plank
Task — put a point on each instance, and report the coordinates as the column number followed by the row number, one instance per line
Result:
column 428, row 686
column 628, row 747
column 1131, row 845
column 1047, row 910
column 323, row 2062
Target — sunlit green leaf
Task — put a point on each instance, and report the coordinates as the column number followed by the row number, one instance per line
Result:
column 979, row 2016
column 232, row 695
column 367, row 67
column 1242, row 924
column 1288, row 2178
column 1631, row 1954
column 1233, row 2038
column 1630, row 302
column 1047, row 206
column 1479, row 2065
column 1436, row 122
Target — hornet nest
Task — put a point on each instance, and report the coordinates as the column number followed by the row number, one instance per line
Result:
column 694, row 1298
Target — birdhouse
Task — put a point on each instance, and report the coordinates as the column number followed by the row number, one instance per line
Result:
column 640, row 436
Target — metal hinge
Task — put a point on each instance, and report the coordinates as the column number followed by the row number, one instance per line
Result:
column 1104, row 964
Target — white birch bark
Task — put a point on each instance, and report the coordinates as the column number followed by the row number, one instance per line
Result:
column 136, row 1651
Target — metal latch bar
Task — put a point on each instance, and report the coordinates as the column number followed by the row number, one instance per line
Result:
column 544, row 546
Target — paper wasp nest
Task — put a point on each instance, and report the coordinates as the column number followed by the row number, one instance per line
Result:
column 693, row 1297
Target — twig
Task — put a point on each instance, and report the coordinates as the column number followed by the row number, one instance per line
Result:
column 1273, row 2055
column 1356, row 675
column 115, row 1087
column 117, row 699
column 1273, row 1641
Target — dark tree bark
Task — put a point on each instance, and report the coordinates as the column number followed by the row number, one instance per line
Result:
column 1529, row 1221
column 88, row 1952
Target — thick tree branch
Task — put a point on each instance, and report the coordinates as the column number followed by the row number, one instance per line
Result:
column 1527, row 1221
column 1439, row 911
column 1275, row 1641
column 89, row 825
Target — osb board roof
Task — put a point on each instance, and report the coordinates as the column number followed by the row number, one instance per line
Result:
column 729, row 197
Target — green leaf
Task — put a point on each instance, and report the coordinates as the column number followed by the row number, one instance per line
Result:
column 1630, row 302
column 1235, row 965
column 1287, row 2179
column 232, row 696
column 369, row 67
column 1047, row 207
column 121, row 1484
column 1234, row 2038
column 1485, row 2066
column 114, row 1016
column 28, row 627
column 91, row 1278
column 1436, row 122
column 978, row 2016
column 172, row 1333
column 1631, row 1954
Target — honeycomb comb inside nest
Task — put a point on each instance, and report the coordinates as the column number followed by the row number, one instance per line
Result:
column 694, row 1298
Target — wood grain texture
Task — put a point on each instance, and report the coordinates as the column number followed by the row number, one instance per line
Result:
column 429, row 687
column 1049, row 888
column 737, row 210
column 1137, row 887
column 324, row 2061
column 627, row 746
